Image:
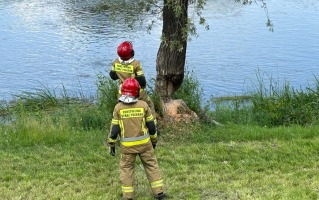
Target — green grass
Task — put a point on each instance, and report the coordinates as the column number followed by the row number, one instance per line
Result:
column 73, row 169
column 52, row 147
column 239, row 162
column 199, row 162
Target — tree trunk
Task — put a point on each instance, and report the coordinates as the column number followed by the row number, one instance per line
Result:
column 171, row 55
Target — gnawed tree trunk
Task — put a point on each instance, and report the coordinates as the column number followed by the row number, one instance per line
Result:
column 171, row 55
column 178, row 111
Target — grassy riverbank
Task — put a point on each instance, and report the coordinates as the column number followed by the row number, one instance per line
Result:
column 197, row 162
column 267, row 148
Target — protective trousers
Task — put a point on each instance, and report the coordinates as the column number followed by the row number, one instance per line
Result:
column 127, row 165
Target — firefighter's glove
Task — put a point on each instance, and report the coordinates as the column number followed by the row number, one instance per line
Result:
column 112, row 148
column 154, row 144
column 112, row 151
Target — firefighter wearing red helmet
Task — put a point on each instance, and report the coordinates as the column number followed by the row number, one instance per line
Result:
column 133, row 125
column 126, row 66
column 125, row 51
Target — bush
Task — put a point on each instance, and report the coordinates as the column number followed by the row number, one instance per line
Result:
column 155, row 97
column 107, row 90
column 192, row 94
column 86, row 117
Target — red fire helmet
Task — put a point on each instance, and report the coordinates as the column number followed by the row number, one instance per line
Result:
column 125, row 50
column 130, row 87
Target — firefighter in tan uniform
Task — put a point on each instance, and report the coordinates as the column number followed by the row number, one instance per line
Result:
column 126, row 66
column 133, row 125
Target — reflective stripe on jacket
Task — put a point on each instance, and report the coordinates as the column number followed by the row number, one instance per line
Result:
column 130, row 70
column 130, row 123
column 133, row 141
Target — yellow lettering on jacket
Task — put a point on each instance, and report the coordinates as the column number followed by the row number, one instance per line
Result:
column 124, row 68
column 132, row 112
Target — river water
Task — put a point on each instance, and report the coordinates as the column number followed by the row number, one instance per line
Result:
column 55, row 43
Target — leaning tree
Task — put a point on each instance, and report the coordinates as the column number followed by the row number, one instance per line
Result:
column 177, row 27
column 171, row 55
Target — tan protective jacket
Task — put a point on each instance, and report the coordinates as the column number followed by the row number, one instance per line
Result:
column 128, row 70
column 133, row 124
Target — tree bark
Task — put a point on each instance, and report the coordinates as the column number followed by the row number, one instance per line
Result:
column 170, row 62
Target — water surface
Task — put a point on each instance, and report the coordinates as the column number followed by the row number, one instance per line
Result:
column 50, row 43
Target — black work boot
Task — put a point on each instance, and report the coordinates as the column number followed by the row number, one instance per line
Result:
column 125, row 198
column 160, row 196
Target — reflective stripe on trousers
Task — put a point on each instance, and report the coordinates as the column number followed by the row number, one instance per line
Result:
column 156, row 184
column 127, row 189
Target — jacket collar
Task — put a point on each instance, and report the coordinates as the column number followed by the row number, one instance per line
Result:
column 128, row 99
column 126, row 61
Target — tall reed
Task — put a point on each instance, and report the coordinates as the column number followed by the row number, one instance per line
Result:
column 284, row 105
column 271, row 104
